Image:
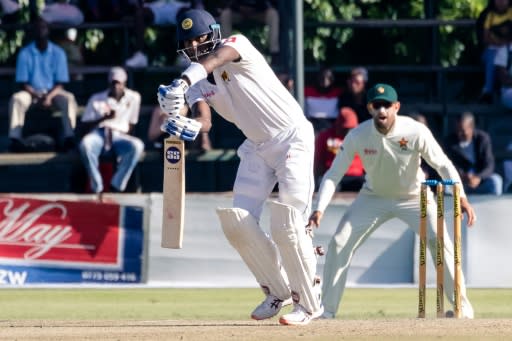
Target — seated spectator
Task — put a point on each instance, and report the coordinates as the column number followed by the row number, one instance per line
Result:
column 496, row 21
column 354, row 95
column 148, row 13
column 108, row 119
column 470, row 150
column 502, row 62
column 321, row 100
column 62, row 12
column 507, row 170
column 156, row 136
column 327, row 145
column 66, row 39
column 41, row 69
column 263, row 11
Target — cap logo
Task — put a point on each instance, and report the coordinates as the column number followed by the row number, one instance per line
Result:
column 380, row 90
column 187, row 24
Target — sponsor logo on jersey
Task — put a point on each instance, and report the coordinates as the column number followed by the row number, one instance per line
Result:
column 368, row 151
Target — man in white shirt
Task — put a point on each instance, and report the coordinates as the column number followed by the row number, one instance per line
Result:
column 109, row 118
column 234, row 78
column 391, row 148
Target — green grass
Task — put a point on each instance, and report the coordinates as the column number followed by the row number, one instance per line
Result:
column 219, row 304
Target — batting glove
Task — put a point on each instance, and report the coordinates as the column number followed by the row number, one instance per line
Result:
column 172, row 97
column 185, row 128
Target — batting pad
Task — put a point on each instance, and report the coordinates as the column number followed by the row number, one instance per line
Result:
column 297, row 253
column 256, row 249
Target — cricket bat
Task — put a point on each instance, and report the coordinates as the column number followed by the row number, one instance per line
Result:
column 173, row 193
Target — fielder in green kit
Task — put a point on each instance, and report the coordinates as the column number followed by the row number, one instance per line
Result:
column 390, row 147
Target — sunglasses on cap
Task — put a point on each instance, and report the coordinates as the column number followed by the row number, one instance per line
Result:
column 378, row 104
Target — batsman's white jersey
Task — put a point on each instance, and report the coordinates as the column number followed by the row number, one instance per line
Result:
column 391, row 161
column 248, row 94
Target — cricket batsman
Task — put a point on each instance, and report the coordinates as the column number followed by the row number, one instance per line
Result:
column 231, row 76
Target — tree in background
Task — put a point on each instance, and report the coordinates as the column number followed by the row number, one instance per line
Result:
column 330, row 45
column 388, row 45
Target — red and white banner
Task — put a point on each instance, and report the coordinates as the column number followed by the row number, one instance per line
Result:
column 68, row 235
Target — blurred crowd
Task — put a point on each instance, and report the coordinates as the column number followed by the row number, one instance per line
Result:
column 52, row 55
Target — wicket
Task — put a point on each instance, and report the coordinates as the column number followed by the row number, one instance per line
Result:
column 457, row 219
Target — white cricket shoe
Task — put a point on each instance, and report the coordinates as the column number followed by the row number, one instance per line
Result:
column 299, row 316
column 139, row 59
column 269, row 307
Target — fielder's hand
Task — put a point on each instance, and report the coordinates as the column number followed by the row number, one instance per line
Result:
column 172, row 97
column 182, row 127
column 314, row 219
column 468, row 209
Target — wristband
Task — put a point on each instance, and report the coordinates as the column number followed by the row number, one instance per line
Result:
column 195, row 72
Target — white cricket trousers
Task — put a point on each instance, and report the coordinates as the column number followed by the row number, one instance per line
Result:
column 364, row 216
column 286, row 159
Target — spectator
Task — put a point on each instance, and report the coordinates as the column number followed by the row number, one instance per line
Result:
column 149, row 13
column 321, row 100
column 470, row 150
column 503, row 62
column 41, row 69
column 497, row 21
column 354, row 95
column 108, row 119
column 327, row 145
column 507, row 170
column 66, row 39
column 263, row 11
column 62, row 12
column 156, row 136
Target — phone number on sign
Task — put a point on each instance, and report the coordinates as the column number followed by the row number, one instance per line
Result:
column 109, row 276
